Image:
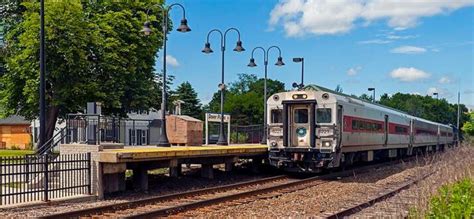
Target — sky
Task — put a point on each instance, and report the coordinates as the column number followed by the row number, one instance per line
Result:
column 419, row 47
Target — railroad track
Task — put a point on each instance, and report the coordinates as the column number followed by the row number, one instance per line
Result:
column 175, row 203
column 383, row 196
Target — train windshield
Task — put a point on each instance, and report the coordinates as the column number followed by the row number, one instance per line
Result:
column 323, row 115
column 277, row 116
column 301, row 116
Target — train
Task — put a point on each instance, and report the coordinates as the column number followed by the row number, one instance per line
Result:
column 313, row 129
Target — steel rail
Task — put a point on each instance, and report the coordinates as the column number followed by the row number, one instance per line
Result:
column 135, row 203
column 359, row 207
column 207, row 202
column 110, row 209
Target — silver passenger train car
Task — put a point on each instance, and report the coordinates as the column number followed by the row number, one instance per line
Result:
column 316, row 128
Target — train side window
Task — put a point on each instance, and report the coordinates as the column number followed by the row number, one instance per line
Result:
column 323, row 115
column 301, row 115
column 276, row 116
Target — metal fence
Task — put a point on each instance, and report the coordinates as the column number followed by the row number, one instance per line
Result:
column 94, row 129
column 246, row 134
column 44, row 177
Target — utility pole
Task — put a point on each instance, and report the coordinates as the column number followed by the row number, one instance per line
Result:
column 459, row 114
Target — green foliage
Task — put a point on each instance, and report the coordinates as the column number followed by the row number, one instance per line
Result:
column 454, row 201
column 236, row 137
column 191, row 105
column 95, row 52
column 425, row 107
column 7, row 153
column 468, row 127
column 244, row 99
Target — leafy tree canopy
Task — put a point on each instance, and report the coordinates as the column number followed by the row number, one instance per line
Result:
column 468, row 127
column 94, row 52
column 244, row 99
column 426, row 107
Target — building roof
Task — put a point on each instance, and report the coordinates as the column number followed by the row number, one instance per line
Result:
column 14, row 120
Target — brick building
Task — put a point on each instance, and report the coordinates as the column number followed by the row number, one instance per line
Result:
column 14, row 133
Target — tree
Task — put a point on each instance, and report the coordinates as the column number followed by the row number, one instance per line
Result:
column 468, row 127
column 191, row 105
column 244, row 99
column 94, row 53
column 425, row 107
column 338, row 89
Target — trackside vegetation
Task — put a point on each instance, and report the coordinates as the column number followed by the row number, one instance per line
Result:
column 454, row 201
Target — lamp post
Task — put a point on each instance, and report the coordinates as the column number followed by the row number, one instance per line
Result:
column 436, row 94
column 265, row 62
column 373, row 94
column 302, row 69
column 42, row 89
column 163, row 138
column 207, row 49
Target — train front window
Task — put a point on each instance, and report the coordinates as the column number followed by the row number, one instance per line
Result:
column 277, row 116
column 323, row 115
column 301, row 116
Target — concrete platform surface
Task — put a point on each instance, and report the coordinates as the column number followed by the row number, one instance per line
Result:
column 144, row 153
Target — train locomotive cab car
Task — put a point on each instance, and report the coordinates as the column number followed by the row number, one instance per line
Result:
column 315, row 129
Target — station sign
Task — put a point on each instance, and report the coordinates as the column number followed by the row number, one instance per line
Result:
column 216, row 117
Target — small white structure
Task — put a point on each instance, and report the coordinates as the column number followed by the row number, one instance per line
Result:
column 216, row 117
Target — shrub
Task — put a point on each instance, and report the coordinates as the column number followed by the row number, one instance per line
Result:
column 454, row 201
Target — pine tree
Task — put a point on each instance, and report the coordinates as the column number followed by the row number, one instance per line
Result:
column 191, row 105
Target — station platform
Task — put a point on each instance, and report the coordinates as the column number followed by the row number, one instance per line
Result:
column 110, row 162
column 148, row 153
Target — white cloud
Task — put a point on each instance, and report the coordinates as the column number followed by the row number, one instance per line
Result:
column 432, row 90
column 408, row 74
column 353, row 71
column 400, row 37
column 444, row 80
column 375, row 41
column 170, row 60
column 321, row 17
column 408, row 50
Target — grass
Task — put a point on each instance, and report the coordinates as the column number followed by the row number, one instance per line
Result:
column 454, row 201
column 7, row 153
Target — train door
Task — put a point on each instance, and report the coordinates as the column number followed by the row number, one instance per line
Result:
column 340, row 124
column 299, row 125
column 386, row 130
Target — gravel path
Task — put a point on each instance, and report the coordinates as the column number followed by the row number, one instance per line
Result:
column 324, row 199
column 416, row 198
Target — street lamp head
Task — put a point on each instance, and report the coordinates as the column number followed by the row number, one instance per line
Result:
column 184, row 26
column 252, row 63
column 238, row 47
column 146, row 30
column 371, row 89
column 280, row 62
column 297, row 59
column 207, row 48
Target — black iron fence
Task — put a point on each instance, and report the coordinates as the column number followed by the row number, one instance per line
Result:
column 44, row 177
column 246, row 134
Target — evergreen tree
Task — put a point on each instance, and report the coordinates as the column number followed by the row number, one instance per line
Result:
column 191, row 105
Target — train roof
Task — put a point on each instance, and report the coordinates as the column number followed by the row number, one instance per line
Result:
column 314, row 87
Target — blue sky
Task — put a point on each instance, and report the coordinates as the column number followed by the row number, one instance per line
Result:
column 407, row 47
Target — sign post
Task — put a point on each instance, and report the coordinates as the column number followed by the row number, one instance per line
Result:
column 216, row 117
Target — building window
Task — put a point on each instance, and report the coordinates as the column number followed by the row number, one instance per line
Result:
column 323, row 115
column 276, row 116
column 301, row 116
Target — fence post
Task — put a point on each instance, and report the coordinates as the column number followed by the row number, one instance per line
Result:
column 46, row 177
column 1, row 183
column 89, row 172
column 27, row 168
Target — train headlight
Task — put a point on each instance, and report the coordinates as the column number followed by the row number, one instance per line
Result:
column 274, row 144
column 326, row 144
